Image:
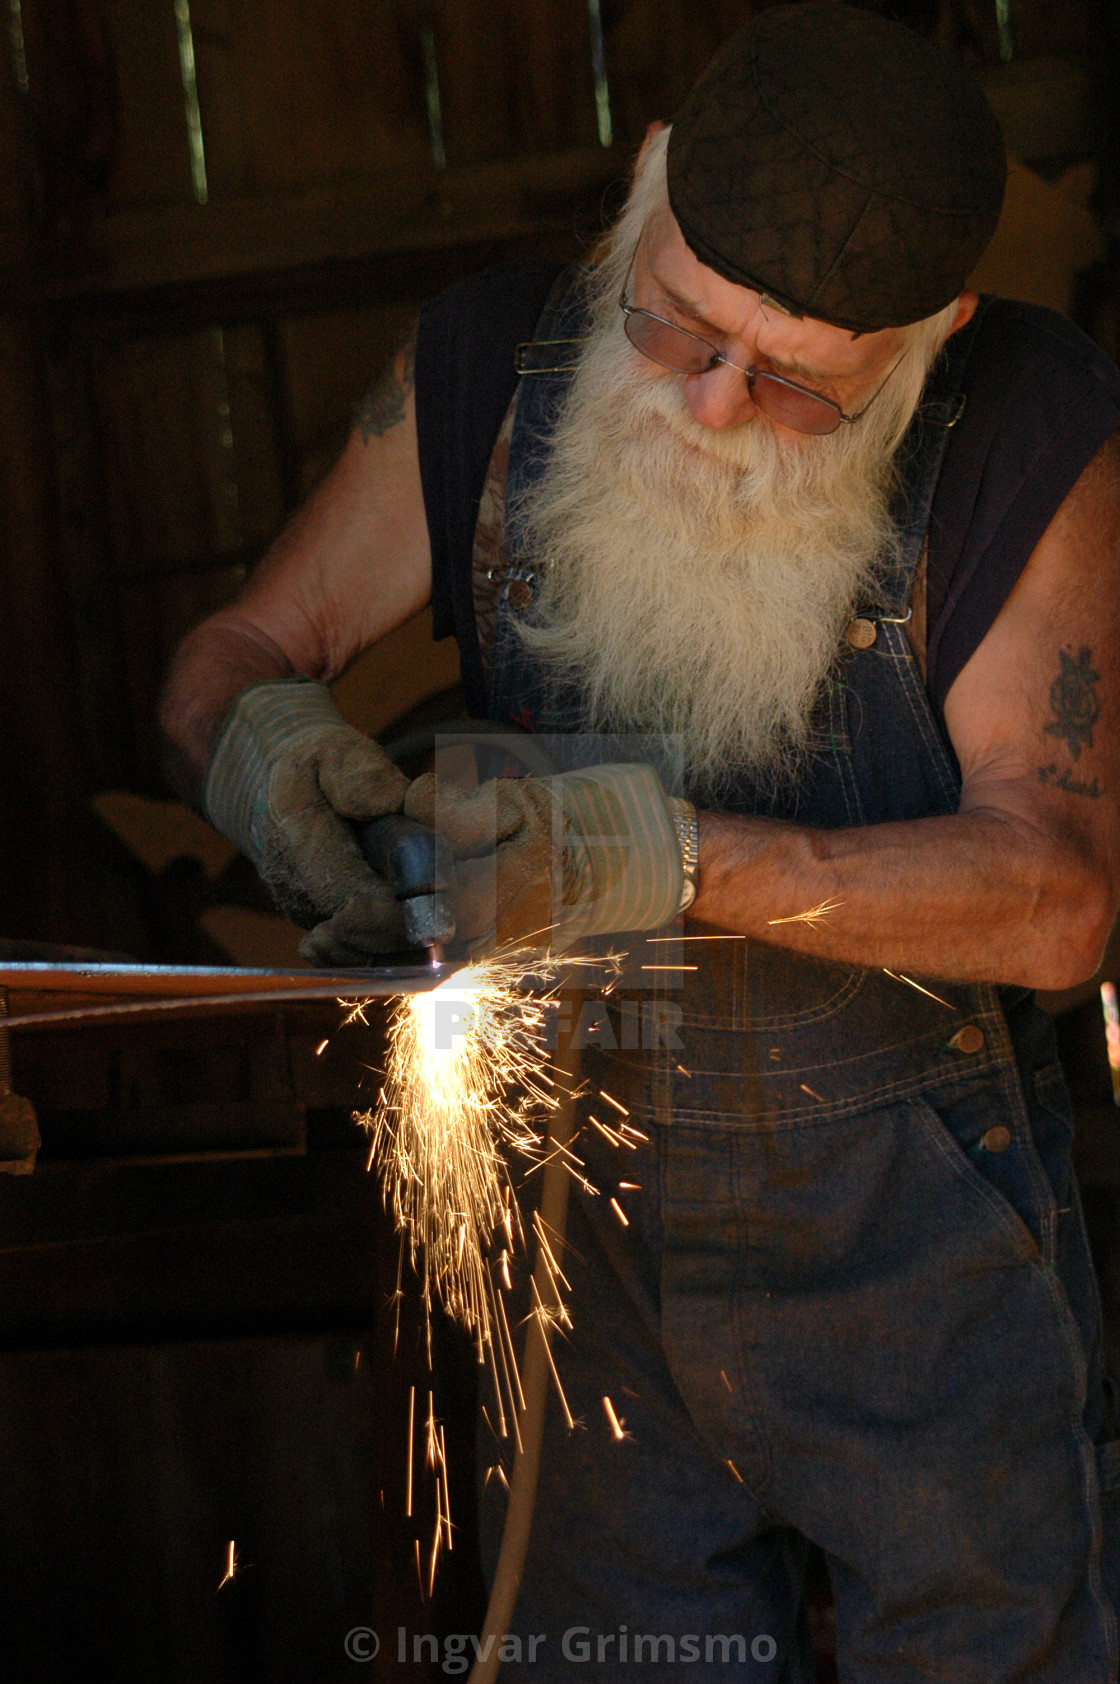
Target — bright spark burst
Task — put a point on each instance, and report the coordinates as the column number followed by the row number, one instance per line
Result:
column 468, row 1079
column 232, row 1564
column 814, row 916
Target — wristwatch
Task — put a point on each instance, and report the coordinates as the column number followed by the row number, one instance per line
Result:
column 687, row 827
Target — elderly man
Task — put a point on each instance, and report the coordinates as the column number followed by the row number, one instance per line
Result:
column 776, row 489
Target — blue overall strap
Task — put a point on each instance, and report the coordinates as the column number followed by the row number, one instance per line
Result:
column 920, row 458
column 546, row 366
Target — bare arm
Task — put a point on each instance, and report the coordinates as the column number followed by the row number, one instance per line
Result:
column 353, row 564
column 1019, row 886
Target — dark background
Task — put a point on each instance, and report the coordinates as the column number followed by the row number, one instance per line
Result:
column 199, row 274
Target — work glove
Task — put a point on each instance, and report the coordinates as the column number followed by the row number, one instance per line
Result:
column 285, row 777
column 549, row 861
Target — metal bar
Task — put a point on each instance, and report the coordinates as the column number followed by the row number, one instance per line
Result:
column 169, row 991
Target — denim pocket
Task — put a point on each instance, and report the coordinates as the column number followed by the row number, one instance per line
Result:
column 978, row 1140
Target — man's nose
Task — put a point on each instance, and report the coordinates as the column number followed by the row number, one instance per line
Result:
column 720, row 397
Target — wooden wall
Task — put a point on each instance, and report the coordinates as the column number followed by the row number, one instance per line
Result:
column 184, row 328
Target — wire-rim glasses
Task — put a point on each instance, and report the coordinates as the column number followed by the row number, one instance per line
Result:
column 779, row 399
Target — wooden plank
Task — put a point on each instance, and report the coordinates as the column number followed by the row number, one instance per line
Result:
column 42, row 770
column 655, row 51
column 82, row 560
column 66, row 85
column 553, row 90
column 293, row 94
column 154, row 615
column 399, row 212
column 256, row 430
column 17, row 159
column 151, row 162
column 515, row 76
column 330, row 357
column 169, row 469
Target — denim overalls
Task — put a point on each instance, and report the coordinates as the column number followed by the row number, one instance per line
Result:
column 853, row 1302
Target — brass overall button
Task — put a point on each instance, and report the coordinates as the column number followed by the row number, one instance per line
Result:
column 997, row 1139
column 970, row 1039
column 861, row 634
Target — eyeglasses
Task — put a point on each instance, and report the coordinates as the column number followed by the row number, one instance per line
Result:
column 781, row 400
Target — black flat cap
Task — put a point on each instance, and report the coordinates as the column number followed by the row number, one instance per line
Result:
column 841, row 163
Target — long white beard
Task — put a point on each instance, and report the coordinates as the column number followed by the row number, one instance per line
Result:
column 699, row 581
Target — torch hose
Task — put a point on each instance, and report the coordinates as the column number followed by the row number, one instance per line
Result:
column 535, row 1371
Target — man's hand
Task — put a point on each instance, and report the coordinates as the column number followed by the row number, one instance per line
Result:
column 286, row 776
column 551, row 860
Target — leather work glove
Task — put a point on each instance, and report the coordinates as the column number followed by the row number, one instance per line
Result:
column 552, row 860
column 285, row 776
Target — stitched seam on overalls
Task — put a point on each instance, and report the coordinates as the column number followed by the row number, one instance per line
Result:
column 811, row 1112
column 852, row 984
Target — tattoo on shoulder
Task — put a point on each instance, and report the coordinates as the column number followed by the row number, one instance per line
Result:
column 383, row 406
column 1073, row 696
column 1066, row 780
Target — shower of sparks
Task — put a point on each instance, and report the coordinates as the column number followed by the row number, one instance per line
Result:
column 725, row 1380
column 897, row 976
column 812, row 1092
column 735, row 1471
column 232, row 1565
column 467, row 1081
column 469, row 1084
column 814, row 917
column 322, row 1047
column 670, row 967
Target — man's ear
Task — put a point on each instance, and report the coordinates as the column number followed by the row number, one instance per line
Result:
column 652, row 131
column 966, row 307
